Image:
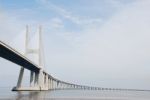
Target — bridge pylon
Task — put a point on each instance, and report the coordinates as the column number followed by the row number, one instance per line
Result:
column 36, row 79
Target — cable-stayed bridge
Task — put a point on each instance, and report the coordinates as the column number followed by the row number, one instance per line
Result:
column 39, row 78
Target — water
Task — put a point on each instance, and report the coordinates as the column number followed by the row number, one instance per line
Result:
column 7, row 94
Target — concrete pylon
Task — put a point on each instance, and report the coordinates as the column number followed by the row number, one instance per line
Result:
column 20, row 78
column 36, row 79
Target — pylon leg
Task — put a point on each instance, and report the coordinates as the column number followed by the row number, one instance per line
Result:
column 20, row 77
column 31, row 78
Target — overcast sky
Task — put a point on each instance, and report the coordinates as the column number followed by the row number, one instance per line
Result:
column 102, row 43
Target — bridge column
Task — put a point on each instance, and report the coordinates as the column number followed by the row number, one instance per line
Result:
column 50, row 83
column 60, row 85
column 57, row 84
column 40, row 81
column 54, row 84
column 44, row 84
column 46, row 81
column 32, row 77
column 36, row 80
column 20, row 77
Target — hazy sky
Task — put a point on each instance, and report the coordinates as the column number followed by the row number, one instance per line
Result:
column 103, row 43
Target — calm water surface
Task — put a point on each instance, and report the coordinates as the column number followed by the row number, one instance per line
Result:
column 7, row 94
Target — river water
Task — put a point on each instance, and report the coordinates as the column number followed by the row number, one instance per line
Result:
column 7, row 94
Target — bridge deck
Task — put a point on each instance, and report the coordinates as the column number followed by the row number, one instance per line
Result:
column 12, row 55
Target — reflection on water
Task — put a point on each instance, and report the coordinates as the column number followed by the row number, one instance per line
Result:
column 6, row 94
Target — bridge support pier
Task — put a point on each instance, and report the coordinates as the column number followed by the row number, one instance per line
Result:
column 32, row 78
column 20, row 78
column 41, row 82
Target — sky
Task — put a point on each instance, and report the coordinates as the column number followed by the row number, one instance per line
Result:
column 101, row 43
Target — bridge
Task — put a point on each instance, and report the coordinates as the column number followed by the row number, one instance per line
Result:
column 39, row 79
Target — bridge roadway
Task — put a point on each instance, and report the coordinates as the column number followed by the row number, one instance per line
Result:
column 50, row 82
